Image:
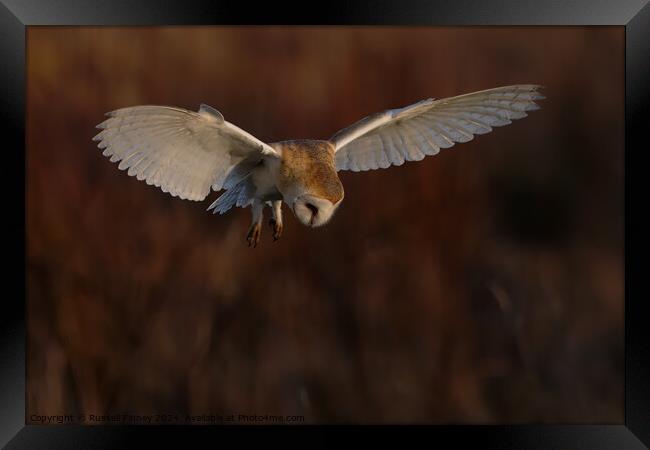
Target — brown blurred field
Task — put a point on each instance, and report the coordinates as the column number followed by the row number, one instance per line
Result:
column 483, row 285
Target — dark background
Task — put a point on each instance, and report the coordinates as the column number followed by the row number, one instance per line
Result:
column 483, row 285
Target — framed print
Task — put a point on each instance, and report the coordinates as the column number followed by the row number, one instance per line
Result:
column 413, row 215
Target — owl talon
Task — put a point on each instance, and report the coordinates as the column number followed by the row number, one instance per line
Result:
column 277, row 229
column 254, row 233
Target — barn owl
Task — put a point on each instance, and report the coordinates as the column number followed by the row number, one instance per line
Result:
column 187, row 153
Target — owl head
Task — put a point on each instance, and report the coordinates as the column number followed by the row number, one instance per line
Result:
column 309, row 182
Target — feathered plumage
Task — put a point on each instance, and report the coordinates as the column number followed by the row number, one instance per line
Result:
column 187, row 153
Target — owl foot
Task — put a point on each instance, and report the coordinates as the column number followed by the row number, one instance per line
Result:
column 277, row 229
column 254, row 233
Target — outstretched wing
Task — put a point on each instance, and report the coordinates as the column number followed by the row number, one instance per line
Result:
column 409, row 134
column 182, row 152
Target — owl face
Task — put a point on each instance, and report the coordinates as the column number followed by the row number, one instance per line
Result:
column 314, row 211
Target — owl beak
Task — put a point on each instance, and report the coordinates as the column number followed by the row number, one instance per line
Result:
column 314, row 213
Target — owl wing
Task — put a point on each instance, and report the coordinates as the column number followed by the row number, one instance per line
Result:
column 409, row 134
column 185, row 153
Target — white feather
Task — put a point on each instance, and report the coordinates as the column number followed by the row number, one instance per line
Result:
column 183, row 152
column 407, row 134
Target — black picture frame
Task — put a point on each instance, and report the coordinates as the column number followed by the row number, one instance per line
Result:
column 16, row 15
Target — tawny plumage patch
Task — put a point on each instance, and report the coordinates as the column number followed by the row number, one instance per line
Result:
column 311, row 164
column 189, row 153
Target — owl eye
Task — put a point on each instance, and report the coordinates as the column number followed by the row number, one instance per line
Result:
column 312, row 208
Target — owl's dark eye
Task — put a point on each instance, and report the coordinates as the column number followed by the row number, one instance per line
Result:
column 312, row 208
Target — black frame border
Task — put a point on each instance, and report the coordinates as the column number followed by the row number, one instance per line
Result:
column 16, row 15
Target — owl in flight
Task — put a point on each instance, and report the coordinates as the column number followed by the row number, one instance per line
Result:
column 186, row 153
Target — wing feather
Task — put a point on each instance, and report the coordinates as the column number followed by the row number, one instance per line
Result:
column 408, row 134
column 184, row 153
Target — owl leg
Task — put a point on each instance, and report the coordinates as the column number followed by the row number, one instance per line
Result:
column 276, row 220
column 255, row 229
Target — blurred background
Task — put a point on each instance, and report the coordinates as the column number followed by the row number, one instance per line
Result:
column 482, row 285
